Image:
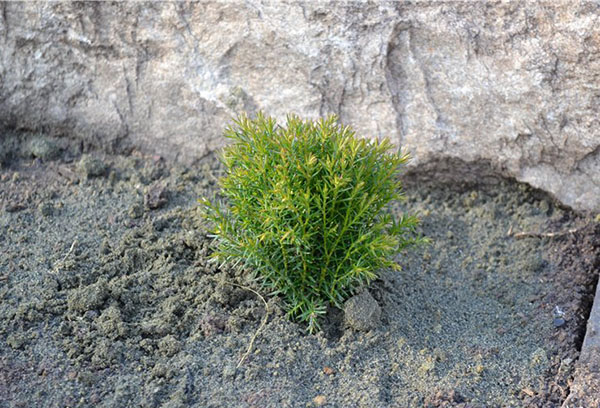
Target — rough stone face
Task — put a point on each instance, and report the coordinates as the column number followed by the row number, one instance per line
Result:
column 585, row 389
column 513, row 86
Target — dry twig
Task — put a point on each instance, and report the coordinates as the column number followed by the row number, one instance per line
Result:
column 62, row 261
column 262, row 323
column 530, row 234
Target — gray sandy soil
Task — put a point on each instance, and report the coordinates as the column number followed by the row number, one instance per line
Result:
column 107, row 298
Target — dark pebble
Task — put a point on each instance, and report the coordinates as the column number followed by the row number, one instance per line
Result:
column 559, row 322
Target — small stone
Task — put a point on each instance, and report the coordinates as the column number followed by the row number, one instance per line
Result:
column 559, row 316
column 361, row 312
column 91, row 166
column 328, row 371
column 320, row 400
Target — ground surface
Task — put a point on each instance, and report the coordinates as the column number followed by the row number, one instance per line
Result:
column 107, row 298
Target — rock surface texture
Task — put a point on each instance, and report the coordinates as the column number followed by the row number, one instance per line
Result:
column 513, row 87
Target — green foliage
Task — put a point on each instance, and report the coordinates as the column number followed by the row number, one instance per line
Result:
column 307, row 210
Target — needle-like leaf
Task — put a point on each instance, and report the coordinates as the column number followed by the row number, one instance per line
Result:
column 306, row 209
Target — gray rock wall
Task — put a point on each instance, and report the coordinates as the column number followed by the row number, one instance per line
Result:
column 515, row 86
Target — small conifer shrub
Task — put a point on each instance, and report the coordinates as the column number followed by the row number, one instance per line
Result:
column 306, row 210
